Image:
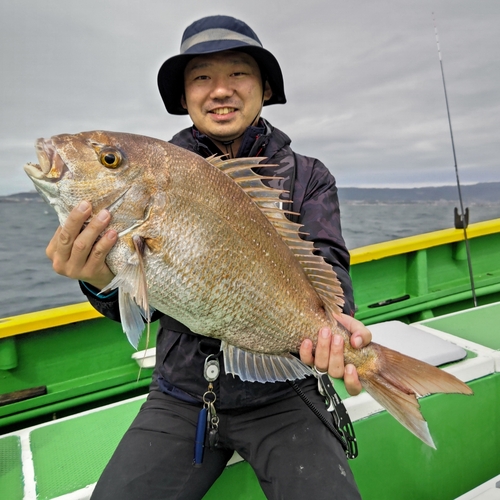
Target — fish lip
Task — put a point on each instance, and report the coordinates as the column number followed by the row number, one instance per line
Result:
column 43, row 156
column 51, row 165
column 46, row 187
column 48, row 190
column 34, row 171
column 50, row 170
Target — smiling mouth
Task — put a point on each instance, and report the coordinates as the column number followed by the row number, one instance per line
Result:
column 222, row 111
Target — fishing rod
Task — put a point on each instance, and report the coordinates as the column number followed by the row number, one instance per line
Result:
column 464, row 217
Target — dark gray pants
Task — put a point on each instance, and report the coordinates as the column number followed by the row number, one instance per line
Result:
column 293, row 454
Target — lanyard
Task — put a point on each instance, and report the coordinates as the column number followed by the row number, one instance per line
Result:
column 208, row 420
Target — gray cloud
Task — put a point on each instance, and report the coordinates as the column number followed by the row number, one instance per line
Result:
column 362, row 79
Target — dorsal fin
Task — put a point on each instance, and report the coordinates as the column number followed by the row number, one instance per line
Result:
column 319, row 272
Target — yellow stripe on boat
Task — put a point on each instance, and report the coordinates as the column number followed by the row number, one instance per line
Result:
column 422, row 241
column 64, row 315
column 47, row 318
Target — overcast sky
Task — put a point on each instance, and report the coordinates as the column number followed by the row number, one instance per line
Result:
column 362, row 79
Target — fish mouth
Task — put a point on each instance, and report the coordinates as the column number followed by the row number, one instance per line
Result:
column 48, row 172
column 51, row 167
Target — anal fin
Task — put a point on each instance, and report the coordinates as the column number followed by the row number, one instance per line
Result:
column 257, row 367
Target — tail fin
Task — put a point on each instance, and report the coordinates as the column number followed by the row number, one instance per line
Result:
column 399, row 380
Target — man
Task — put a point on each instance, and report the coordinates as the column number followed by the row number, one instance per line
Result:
column 222, row 79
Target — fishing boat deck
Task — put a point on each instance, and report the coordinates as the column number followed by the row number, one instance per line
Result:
column 64, row 458
column 490, row 490
column 69, row 359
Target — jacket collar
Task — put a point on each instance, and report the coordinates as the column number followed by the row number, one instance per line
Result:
column 251, row 137
column 261, row 140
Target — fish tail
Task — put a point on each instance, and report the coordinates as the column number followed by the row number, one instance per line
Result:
column 399, row 380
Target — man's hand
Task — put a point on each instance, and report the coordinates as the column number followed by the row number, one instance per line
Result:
column 76, row 254
column 329, row 353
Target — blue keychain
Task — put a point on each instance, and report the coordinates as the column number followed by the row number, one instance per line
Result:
column 208, row 421
column 199, row 442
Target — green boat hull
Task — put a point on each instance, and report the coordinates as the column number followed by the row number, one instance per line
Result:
column 85, row 364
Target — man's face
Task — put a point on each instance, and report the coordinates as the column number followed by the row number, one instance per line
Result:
column 223, row 93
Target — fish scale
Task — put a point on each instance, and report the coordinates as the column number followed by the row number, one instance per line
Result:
column 206, row 242
column 225, row 244
column 222, row 284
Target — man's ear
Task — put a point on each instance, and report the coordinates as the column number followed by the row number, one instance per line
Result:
column 267, row 91
column 183, row 102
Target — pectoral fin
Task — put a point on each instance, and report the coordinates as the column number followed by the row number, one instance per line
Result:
column 131, row 317
column 133, row 293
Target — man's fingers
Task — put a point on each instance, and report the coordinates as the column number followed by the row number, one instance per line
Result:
column 96, row 267
column 86, row 239
column 52, row 246
column 101, row 249
column 306, row 352
column 77, row 250
column 62, row 243
column 336, row 358
column 360, row 335
column 351, row 380
column 322, row 353
column 329, row 353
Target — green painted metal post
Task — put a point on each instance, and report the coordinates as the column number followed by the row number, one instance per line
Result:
column 8, row 354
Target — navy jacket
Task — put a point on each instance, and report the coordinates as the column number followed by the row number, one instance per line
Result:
column 180, row 354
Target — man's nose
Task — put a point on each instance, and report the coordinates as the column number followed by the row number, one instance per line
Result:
column 222, row 88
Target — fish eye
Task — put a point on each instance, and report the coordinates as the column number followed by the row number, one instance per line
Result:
column 110, row 158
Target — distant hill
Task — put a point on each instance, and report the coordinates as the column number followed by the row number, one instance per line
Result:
column 482, row 193
column 31, row 196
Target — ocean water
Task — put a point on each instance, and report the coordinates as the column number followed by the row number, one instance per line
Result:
column 28, row 282
column 365, row 224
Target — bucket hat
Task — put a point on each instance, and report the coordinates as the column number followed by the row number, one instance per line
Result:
column 207, row 36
